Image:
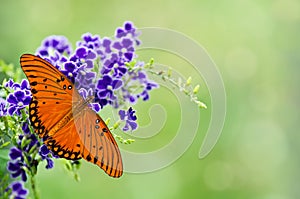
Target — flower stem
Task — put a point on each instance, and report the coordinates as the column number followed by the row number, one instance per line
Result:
column 34, row 188
column 185, row 88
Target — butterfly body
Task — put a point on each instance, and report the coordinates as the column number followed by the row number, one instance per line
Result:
column 69, row 127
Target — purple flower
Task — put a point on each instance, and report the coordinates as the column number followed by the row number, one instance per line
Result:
column 18, row 191
column 106, row 87
column 54, row 43
column 25, row 128
column 78, row 68
column 16, row 169
column 116, row 83
column 3, row 109
column 125, row 48
column 137, row 81
column 18, row 101
column 85, row 79
column 22, row 156
column 50, row 163
column 85, row 56
column 15, row 153
column 53, row 49
column 24, row 85
column 147, row 87
column 146, row 83
column 129, row 118
column 110, row 55
column 101, row 70
column 27, row 145
column 16, row 166
column 106, row 45
column 128, row 30
column 119, row 51
column 20, row 98
column 101, row 47
column 44, row 153
column 86, row 94
column 128, row 96
column 90, row 41
column 9, row 83
column 116, row 64
column 70, row 70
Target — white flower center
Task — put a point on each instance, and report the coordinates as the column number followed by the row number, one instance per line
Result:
column 123, row 50
column 109, row 87
column 83, row 72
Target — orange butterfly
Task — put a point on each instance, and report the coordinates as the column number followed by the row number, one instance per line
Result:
column 70, row 128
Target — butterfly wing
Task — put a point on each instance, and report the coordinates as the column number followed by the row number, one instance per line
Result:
column 84, row 135
column 92, row 138
column 99, row 145
column 52, row 98
column 52, row 93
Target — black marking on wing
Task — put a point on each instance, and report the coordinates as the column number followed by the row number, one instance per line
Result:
column 60, row 151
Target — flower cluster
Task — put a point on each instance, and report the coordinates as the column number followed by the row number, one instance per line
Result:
column 101, row 64
column 54, row 48
column 27, row 151
column 19, row 98
column 104, row 69
column 26, row 142
column 23, row 156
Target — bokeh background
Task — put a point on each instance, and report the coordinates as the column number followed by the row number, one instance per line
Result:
column 255, row 45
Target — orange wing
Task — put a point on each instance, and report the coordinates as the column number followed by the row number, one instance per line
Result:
column 60, row 115
column 52, row 93
column 99, row 145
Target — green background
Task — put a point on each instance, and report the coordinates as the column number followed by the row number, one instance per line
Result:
column 255, row 45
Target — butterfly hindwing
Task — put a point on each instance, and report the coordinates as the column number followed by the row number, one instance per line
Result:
column 99, row 144
column 66, row 143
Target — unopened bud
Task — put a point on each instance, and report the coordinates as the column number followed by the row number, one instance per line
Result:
column 196, row 89
column 189, row 81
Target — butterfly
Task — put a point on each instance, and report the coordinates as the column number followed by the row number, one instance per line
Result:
column 63, row 118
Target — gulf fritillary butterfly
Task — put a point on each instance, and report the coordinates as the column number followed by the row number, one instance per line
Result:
column 69, row 127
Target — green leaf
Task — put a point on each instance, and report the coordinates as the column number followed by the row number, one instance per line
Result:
column 4, row 144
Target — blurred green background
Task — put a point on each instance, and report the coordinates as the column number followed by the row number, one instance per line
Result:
column 255, row 45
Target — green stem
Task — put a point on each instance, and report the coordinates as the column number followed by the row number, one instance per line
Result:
column 33, row 187
column 183, row 88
